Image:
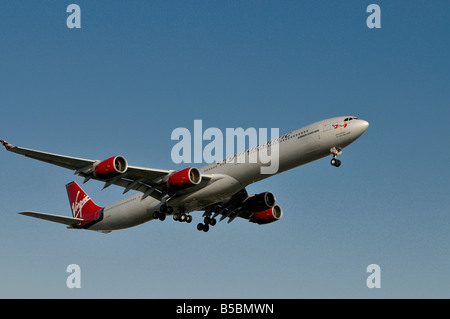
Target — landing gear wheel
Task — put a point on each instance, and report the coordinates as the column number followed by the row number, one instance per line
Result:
column 182, row 217
column 203, row 227
column 166, row 209
column 209, row 221
column 159, row 215
column 335, row 151
column 335, row 162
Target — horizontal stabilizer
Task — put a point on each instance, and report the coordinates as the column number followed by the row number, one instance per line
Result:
column 54, row 218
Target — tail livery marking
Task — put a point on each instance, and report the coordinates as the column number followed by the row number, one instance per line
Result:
column 83, row 206
column 77, row 206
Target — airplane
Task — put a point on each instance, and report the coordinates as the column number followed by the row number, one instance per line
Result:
column 217, row 189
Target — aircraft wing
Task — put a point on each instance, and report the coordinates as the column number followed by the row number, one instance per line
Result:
column 151, row 182
column 55, row 159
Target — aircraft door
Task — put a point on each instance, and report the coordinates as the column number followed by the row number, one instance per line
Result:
column 327, row 125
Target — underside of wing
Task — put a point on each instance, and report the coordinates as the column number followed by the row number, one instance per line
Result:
column 230, row 209
column 259, row 208
column 54, row 218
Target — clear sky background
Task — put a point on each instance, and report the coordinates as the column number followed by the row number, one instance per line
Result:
column 137, row 70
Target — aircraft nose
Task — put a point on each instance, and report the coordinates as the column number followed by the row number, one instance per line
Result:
column 364, row 125
column 361, row 127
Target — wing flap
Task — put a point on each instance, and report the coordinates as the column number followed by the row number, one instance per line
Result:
column 54, row 218
column 151, row 175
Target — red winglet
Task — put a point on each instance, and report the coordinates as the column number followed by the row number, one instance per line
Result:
column 6, row 145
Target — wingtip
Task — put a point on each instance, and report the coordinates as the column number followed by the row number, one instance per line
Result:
column 6, row 145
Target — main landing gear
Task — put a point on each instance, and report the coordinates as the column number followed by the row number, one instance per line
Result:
column 168, row 210
column 164, row 210
column 207, row 221
column 183, row 217
column 335, row 152
column 159, row 215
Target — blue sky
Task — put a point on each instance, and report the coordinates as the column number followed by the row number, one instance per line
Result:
column 137, row 70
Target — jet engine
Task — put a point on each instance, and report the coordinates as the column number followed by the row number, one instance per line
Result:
column 267, row 216
column 111, row 167
column 185, row 178
column 260, row 202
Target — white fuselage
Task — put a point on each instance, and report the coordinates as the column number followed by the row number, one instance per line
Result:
column 296, row 148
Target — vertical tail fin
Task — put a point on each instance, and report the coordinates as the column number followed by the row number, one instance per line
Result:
column 81, row 204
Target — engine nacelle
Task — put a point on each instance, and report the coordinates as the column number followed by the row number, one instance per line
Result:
column 260, row 202
column 111, row 167
column 185, row 178
column 267, row 216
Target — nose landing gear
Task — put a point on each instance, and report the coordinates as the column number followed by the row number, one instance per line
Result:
column 335, row 162
column 335, row 152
